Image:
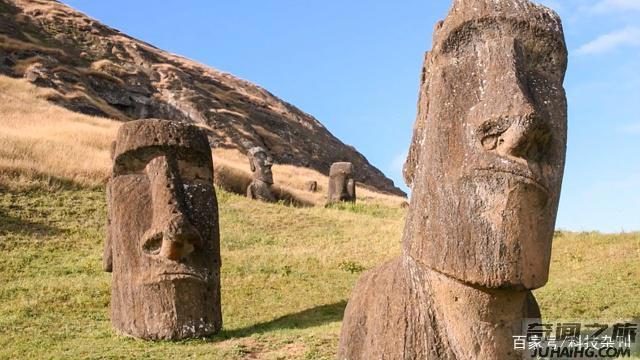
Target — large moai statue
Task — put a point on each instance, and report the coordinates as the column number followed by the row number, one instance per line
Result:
column 342, row 186
column 485, row 166
column 260, row 188
column 163, row 241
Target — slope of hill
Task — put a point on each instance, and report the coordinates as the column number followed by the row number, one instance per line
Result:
column 43, row 145
column 96, row 70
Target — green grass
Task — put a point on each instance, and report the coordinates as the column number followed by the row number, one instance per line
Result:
column 286, row 276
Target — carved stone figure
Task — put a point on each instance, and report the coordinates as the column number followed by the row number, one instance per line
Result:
column 260, row 188
column 163, row 241
column 342, row 186
column 312, row 186
column 485, row 166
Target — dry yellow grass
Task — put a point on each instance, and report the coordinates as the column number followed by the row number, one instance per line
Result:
column 291, row 179
column 44, row 144
column 8, row 43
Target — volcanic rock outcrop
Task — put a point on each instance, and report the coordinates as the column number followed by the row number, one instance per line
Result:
column 485, row 165
column 163, row 237
column 99, row 71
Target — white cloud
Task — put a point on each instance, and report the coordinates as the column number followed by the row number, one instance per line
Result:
column 631, row 129
column 629, row 36
column 615, row 5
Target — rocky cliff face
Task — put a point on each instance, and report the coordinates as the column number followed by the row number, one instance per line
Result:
column 99, row 71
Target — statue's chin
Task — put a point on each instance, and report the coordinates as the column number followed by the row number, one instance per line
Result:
column 515, row 213
column 509, row 239
column 173, row 308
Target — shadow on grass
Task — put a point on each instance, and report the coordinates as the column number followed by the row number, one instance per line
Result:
column 15, row 225
column 316, row 316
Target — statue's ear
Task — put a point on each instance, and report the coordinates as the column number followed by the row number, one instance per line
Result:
column 112, row 152
column 252, row 164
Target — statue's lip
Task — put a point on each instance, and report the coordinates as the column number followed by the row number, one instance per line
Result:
column 177, row 275
column 517, row 172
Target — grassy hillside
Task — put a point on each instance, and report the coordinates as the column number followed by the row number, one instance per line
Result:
column 287, row 272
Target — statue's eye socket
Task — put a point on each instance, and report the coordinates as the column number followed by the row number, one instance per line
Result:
column 544, row 59
column 153, row 244
column 195, row 172
column 134, row 162
column 129, row 166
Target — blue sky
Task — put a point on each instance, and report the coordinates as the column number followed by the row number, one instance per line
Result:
column 354, row 65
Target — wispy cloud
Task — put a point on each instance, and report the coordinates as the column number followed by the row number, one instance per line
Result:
column 629, row 36
column 631, row 129
column 603, row 6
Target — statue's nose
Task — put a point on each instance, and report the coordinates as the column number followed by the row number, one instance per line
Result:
column 178, row 235
column 179, row 239
column 508, row 95
column 526, row 137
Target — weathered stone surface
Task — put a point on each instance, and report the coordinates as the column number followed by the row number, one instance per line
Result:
column 163, row 241
column 485, row 166
column 100, row 71
column 260, row 163
column 342, row 186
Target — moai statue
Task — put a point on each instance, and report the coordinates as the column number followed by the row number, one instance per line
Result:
column 342, row 186
column 486, row 165
column 312, row 186
column 163, row 241
column 260, row 188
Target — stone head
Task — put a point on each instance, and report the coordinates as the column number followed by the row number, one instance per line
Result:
column 163, row 234
column 261, row 163
column 342, row 186
column 488, row 154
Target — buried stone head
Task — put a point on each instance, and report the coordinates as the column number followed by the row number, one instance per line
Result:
column 163, row 244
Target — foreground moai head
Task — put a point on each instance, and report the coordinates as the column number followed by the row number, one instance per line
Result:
column 260, row 162
column 342, row 186
column 163, row 242
column 488, row 152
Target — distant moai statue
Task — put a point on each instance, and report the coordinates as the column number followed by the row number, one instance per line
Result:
column 486, row 164
column 342, row 186
column 260, row 188
column 312, row 186
column 163, row 238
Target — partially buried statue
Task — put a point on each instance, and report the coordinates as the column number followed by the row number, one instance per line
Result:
column 342, row 186
column 260, row 188
column 486, row 165
column 163, row 242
